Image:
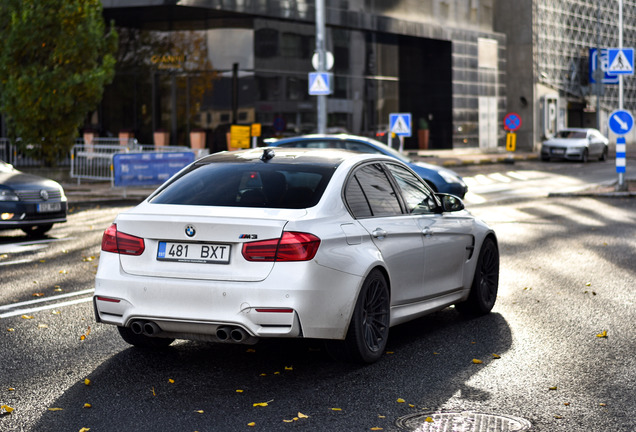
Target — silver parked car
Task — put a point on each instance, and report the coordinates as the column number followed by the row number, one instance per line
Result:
column 292, row 243
column 576, row 144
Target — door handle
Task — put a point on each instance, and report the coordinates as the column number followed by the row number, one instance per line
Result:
column 379, row 233
column 427, row 231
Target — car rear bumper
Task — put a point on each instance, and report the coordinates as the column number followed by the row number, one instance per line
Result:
column 295, row 300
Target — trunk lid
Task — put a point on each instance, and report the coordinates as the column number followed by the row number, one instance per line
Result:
column 200, row 242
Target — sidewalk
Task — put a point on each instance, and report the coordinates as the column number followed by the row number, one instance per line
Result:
column 99, row 192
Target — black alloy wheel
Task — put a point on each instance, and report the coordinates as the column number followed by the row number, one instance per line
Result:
column 483, row 292
column 603, row 156
column 369, row 328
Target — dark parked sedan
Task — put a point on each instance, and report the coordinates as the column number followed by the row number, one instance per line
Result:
column 439, row 179
column 29, row 202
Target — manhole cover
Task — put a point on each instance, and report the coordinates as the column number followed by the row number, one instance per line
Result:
column 462, row 422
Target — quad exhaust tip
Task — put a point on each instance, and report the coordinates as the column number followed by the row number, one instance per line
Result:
column 147, row 328
column 230, row 334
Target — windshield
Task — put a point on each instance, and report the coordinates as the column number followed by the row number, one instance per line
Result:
column 571, row 134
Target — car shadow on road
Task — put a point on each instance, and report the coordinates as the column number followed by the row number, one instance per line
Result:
column 208, row 387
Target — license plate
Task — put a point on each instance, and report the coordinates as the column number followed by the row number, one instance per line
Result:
column 205, row 253
column 558, row 151
column 49, row 207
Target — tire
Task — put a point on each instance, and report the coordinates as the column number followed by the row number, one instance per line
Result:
column 143, row 341
column 585, row 156
column 483, row 291
column 545, row 158
column 38, row 230
column 369, row 328
column 603, row 156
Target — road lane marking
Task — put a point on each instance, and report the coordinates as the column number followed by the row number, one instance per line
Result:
column 43, row 308
column 22, row 308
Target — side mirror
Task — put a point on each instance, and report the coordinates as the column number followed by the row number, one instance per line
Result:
column 450, row 203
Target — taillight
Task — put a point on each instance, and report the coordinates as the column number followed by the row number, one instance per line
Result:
column 292, row 246
column 121, row 243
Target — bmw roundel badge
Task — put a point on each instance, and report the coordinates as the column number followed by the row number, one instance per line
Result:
column 190, row 231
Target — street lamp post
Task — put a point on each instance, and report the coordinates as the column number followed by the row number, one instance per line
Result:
column 320, row 50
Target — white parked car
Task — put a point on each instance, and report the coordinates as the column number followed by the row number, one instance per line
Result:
column 292, row 243
column 575, row 144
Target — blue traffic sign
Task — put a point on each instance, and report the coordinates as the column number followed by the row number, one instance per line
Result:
column 594, row 64
column 400, row 124
column 621, row 122
column 512, row 122
column 620, row 61
column 319, row 83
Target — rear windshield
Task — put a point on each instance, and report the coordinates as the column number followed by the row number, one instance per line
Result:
column 266, row 185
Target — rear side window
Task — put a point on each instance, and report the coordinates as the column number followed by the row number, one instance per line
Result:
column 369, row 193
column 249, row 185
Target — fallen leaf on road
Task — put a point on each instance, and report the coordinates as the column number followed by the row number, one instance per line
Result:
column 84, row 429
column 553, row 388
column 477, row 361
column 6, row 409
column 55, row 409
column 336, row 409
column 252, row 424
column 602, row 334
column 263, row 404
column 428, row 419
column 400, row 400
column 38, row 294
column 496, row 356
column 87, row 381
column 301, row 415
column 27, row 317
column 87, row 405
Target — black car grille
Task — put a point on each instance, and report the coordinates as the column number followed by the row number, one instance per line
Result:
column 34, row 195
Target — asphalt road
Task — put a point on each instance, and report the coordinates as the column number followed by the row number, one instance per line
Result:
column 562, row 329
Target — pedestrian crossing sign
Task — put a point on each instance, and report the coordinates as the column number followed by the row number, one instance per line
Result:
column 400, row 124
column 620, row 61
column 319, row 83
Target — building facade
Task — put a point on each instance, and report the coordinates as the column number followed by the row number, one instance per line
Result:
column 553, row 59
column 201, row 65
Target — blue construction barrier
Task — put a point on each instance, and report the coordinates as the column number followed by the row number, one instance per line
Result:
column 148, row 168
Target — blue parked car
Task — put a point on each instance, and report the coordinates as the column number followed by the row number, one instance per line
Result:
column 438, row 178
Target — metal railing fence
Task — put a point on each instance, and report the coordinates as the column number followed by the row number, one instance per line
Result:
column 25, row 157
column 94, row 161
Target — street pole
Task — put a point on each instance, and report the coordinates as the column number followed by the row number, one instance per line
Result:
column 320, row 50
column 621, row 176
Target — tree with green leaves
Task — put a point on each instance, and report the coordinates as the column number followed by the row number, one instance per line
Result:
column 55, row 59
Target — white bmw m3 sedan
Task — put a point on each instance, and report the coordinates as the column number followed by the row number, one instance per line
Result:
column 292, row 243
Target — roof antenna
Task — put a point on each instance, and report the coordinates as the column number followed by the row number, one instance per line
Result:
column 268, row 154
